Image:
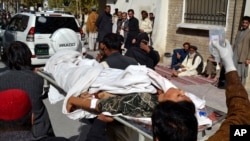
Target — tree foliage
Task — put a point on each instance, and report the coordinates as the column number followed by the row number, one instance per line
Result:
column 75, row 6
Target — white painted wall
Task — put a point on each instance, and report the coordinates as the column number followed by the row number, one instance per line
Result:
column 247, row 8
column 160, row 10
column 247, row 13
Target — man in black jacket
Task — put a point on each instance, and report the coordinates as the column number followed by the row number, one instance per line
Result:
column 133, row 29
column 143, row 53
column 104, row 23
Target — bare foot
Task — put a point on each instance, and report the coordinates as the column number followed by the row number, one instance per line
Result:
column 174, row 73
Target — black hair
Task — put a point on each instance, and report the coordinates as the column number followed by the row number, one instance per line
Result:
column 174, row 121
column 140, row 37
column 131, row 10
column 113, row 41
column 23, row 123
column 17, row 56
column 186, row 43
column 193, row 47
column 107, row 6
column 247, row 18
column 143, row 11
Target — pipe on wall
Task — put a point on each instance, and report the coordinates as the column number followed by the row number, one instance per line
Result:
column 232, row 32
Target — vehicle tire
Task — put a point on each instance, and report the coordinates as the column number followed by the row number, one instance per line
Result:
column 65, row 39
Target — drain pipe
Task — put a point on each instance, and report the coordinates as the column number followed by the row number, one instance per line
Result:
column 232, row 32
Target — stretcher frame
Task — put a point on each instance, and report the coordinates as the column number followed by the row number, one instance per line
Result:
column 48, row 80
column 144, row 133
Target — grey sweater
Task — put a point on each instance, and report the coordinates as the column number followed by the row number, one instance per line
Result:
column 30, row 82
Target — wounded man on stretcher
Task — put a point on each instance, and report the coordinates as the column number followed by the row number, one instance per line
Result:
column 93, row 89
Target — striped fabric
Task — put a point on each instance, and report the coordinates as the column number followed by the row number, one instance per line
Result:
column 185, row 80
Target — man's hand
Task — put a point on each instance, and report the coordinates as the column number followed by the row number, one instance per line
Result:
column 133, row 41
column 69, row 106
column 247, row 62
column 104, row 118
column 183, row 70
column 144, row 47
column 181, row 66
column 226, row 54
column 99, row 57
column 178, row 56
column 141, row 30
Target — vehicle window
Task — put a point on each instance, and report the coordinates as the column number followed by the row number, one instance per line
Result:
column 54, row 23
column 23, row 23
column 12, row 24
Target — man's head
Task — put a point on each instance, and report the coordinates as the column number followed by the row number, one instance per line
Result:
column 85, row 11
column 192, row 50
column 107, row 9
column 15, row 110
column 131, row 13
column 151, row 15
column 111, row 43
column 93, row 8
column 116, row 11
column 173, row 94
column 119, row 15
column 174, row 121
column 245, row 22
column 186, row 46
column 142, row 38
column 144, row 14
column 17, row 56
column 124, row 16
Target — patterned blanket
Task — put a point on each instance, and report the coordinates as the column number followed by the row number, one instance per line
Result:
column 185, row 80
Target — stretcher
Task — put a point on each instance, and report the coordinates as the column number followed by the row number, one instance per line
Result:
column 143, row 130
column 138, row 127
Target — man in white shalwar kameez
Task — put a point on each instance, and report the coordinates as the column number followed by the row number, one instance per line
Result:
column 190, row 64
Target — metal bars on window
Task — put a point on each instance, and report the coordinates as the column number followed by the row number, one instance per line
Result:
column 211, row 12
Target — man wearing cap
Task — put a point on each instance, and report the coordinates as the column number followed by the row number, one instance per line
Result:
column 179, row 55
column 191, row 65
column 17, row 118
column 15, row 115
column 20, row 75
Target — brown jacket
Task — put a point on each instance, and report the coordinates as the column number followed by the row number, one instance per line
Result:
column 90, row 26
column 238, row 107
column 243, row 45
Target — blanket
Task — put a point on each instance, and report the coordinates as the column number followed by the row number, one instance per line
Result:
column 76, row 74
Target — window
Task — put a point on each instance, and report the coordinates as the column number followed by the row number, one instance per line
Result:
column 54, row 23
column 211, row 12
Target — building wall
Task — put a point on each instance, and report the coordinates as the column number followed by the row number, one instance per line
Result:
column 247, row 8
column 160, row 10
column 200, row 38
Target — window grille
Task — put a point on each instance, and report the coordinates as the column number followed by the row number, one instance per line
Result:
column 212, row 12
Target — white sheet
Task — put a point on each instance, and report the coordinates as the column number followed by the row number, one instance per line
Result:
column 76, row 74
